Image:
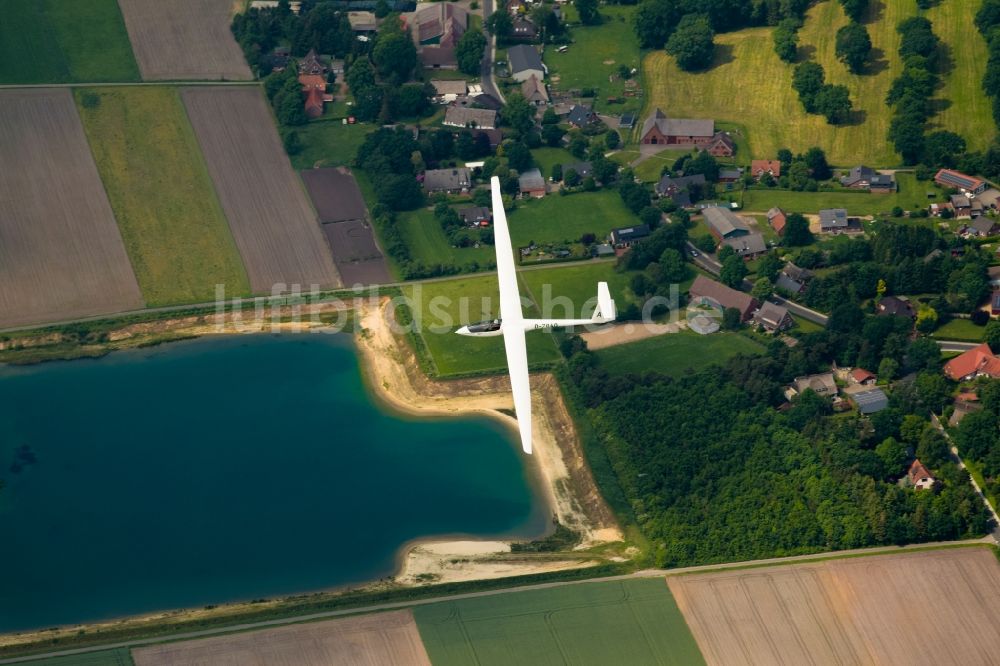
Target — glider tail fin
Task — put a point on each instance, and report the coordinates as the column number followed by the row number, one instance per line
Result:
column 606, row 310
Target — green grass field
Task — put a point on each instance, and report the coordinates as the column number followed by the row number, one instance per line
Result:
column 564, row 219
column 117, row 657
column 444, row 306
column 545, row 158
column 960, row 329
column 912, row 195
column 750, row 85
column 329, row 143
column 64, row 41
column 429, row 245
column 573, row 286
column 676, row 353
column 622, row 622
column 171, row 221
column 595, row 55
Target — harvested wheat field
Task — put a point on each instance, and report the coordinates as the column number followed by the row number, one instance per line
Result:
column 61, row 254
column 383, row 638
column 931, row 607
column 274, row 226
column 184, row 39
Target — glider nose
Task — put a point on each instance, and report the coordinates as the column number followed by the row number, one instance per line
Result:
column 463, row 331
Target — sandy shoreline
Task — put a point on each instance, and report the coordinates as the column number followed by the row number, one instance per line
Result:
column 393, row 377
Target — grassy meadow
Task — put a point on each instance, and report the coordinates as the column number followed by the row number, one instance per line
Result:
column 960, row 329
column 64, row 41
column 912, row 195
column 546, row 158
column 441, row 307
column 750, row 85
column 564, row 219
column 620, row 622
column 577, row 283
column 329, row 143
column 429, row 245
column 676, row 353
column 171, row 221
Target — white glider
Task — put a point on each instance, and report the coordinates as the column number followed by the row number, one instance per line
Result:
column 512, row 325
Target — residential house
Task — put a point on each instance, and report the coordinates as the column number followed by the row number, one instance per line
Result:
column 959, row 181
column 759, row 167
column 862, row 377
column 436, row 29
column 995, row 303
column 961, row 205
column 525, row 63
column 748, row 246
column 312, row 64
column 724, row 223
column 983, row 227
column 452, row 181
column 581, row 116
column 821, row 384
column 895, row 307
column 524, row 30
column 628, row 236
column 993, row 273
column 919, row 476
column 730, row 175
column 704, row 291
column 534, row 91
column 793, row 279
column 494, row 136
column 976, row 362
column 314, row 103
column 990, row 199
column 449, row 90
column 363, row 23
column 532, row 184
column 835, row 221
column 721, row 145
column 582, row 169
column 660, row 130
column 678, row 189
column 866, row 178
column 773, row 318
column 777, row 219
column 314, row 90
column 475, row 216
column 460, row 116
column 485, row 101
column 870, row 401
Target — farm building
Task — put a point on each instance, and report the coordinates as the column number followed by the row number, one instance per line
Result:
column 628, row 236
column 748, row 246
column 525, row 62
column 704, row 291
column 777, row 219
column 759, row 167
column 678, row 190
column 959, row 181
column 977, row 362
column 534, row 91
column 462, row 116
column 721, row 145
column 724, row 223
column 919, row 476
column 531, row 183
column 453, row 181
column 866, row 178
column 870, row 401
column 660, row 130
column 773, row 318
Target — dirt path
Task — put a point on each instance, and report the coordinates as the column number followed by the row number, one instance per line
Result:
column 619, row 334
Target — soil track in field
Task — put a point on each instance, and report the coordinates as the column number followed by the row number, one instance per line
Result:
column 61, row 254
column 275, row 228
column 936, row 607
column 184, row 39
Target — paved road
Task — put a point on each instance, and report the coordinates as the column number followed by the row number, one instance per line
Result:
column 956, row 458
column 486, row 71
column 956, row 346
column 646, row 573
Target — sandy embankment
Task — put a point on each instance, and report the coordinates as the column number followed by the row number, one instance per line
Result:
column 619, row 334
column 393, row 374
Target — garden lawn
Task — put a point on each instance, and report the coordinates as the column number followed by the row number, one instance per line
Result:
column 676, row 353
column 564, row 219
column 595, row 55
column 429, row 245
column 329, row 143
column 912, row 195
column 64, row 41
column 171, row 221
column 561, row 292
column 621, row 622
column 441, row 307
column 960, row 329
column 546, row 158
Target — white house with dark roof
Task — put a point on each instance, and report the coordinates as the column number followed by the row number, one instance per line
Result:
column 525, row 62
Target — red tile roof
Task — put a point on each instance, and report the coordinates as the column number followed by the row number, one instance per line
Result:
column 312, row 81
column 760, row 167
column 974, row 362
column 861, row 375
column 918, row 471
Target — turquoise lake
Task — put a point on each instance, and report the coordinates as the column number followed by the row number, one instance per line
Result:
column 227, row 469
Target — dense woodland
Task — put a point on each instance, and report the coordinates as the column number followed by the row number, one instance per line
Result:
column 714, row 472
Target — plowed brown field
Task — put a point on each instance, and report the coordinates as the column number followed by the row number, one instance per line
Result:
column 275, row 228
column 61, row 254
column 383, row 638
column 184, row 39
column 937, row 607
